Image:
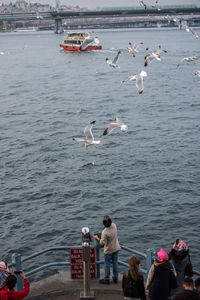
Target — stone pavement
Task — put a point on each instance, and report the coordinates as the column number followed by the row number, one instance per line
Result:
column 61, row 287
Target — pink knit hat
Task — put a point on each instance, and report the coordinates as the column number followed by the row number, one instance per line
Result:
column 182, row 246
column 162, row 255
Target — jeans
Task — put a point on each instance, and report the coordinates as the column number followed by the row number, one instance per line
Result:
column 108, row 260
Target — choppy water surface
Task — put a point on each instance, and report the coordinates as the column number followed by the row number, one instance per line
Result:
column 147, row 179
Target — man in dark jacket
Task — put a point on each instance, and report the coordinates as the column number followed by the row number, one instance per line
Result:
column 188, row 293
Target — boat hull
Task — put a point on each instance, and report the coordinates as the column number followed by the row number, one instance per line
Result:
column 77, row 48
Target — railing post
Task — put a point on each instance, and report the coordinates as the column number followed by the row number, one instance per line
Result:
column 151, row 255
column 17, row 263
column 97, row 259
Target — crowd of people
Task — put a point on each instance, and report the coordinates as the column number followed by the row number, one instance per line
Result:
column 170, row 276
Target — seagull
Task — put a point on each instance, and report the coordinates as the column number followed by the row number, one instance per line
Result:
column 197, row 73
column 189, row 29
column 189, row 59
column 133, row 49
column 150, row 57
column 160, row 50
column 88, row 40
column 139, row 81
column 143, row 4
column 2, row 53
column 116, row 124
column 114, row 62
column 89, row 137
column 154, row 55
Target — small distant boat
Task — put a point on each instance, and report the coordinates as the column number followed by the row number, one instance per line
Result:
column 74, row 41
column 28, row 29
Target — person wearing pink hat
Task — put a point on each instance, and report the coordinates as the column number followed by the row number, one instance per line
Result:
column 161, row 278
column 180, row 258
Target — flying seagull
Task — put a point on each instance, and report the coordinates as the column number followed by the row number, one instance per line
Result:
column 189, row 59
column 133, row 49
column 88, row 40
column 189, row 29
column 197, row 73
column 116, row 124
column 150, row 57
column 143, row 4
column 153, row 55
column 89, row 140
column 139, row 81
column 114, row 62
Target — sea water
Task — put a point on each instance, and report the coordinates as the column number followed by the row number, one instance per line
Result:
column 147, row 179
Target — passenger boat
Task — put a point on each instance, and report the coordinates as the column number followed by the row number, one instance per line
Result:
column 80, row 41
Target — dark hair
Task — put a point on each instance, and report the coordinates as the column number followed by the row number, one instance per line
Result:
column 197, row 282
column 134, row 263
column 11, row 282
column 107, row 221
column 188, row 282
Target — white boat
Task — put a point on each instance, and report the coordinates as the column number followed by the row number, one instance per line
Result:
column 28, row 29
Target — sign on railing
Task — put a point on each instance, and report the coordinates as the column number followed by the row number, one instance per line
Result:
column 76, row 260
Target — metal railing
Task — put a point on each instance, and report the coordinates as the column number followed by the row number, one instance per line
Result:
column 18, row 260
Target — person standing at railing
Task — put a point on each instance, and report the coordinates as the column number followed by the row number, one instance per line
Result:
column 161, row 278
column 133, row 281
column 4, row 272
column 109, row 239
column 180, row 258
column 8, row 293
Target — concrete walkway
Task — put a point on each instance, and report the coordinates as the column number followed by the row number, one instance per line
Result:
column 61, row 287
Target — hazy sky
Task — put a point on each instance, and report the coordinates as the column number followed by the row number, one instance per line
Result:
column 102, row 3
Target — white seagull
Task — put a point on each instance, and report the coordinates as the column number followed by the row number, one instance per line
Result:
column 133, row 49
column 114, row 62
column 89, row 137
column 189, row 29
column 189, row 59
column 143, row 4
column 139, row 81
column 154, row 55
column 87, row 41
column 150, row 57
column 197, row 73
column 116, row 124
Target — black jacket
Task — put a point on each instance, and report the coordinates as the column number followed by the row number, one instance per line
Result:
column 187, row 295
column 163, row 280
column 133, row 288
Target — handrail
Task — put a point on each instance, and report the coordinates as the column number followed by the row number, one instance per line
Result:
column 60, row 263
column 133, row 251
column 17, row 260
column 50, row 249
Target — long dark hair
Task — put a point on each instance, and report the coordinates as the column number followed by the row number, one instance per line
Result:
column 134, row 263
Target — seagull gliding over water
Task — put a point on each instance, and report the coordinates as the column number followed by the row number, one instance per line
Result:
column 89, row 137
column 116, row 124
column 114, row 62
column 139, row 81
